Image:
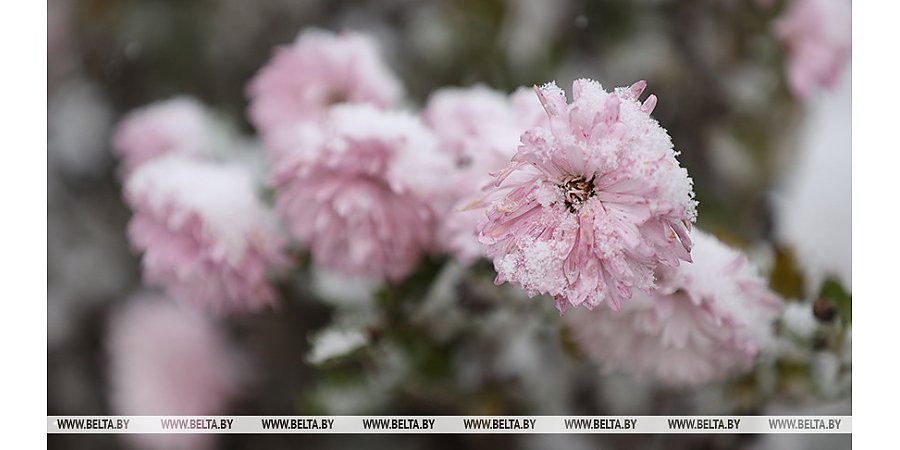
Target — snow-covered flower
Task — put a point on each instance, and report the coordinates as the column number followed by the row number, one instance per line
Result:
column 817, row 36
column 318, row 70
column 479, row 123
column 706, row 321
column 169, row 360
column 204, row 234
column 181, row 125
column 480, row 127
column 362, row 194
column 592, row 204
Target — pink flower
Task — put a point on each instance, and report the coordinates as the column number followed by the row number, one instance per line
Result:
column 181, row 125
column 204, row 234
column 707, row 321
column 480, row 128
column 817, row 36
column 318, row 70
column 478, row 123
column 165, row 360
column 361, row 195
column 592, row 204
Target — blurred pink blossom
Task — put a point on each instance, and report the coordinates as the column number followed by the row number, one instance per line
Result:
column 592, row 204
column 480, row 123
column 707, row 320
column 167, row 360
column 480, row 127
column 362, row 190
column 818, row 39
column 204, row 234
column 180, row 125
column 318, row 70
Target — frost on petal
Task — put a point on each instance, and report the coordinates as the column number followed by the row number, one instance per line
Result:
column 317, row 70
column 203, row 233
column 168, row 360
column 364, row 199
column 817, row 37
column 181, row 125
column 707, row 321
column 591, row 204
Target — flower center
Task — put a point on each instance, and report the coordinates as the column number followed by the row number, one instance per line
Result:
column 576, row 190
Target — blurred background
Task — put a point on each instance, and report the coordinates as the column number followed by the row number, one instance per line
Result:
column 755, row 150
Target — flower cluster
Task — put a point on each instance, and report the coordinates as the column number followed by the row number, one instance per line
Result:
column 370, row 190
column 582, row 200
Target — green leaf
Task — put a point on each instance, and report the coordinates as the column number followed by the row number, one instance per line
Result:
column 786, row 278
column 832, row 290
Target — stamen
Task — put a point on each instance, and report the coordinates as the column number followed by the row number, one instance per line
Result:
column 577, row 190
